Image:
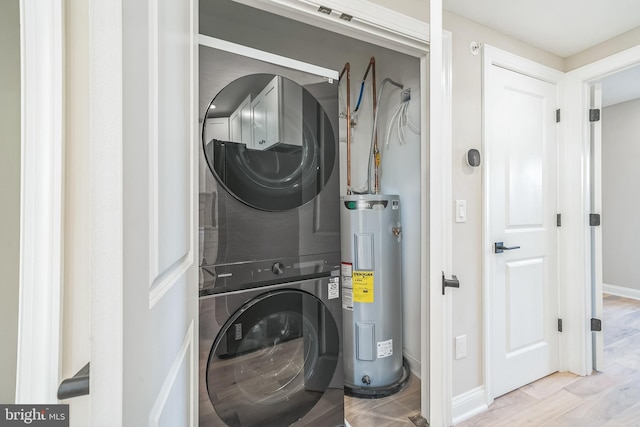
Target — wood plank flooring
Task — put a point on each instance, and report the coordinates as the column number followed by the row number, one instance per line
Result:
column 391, row 411
column 610, row 398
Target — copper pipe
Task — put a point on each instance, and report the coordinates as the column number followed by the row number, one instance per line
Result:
column 347, row 69
column 376, row 152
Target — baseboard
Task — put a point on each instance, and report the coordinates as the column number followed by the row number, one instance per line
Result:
column 468, row 404
column 621, row 291
column 414, row 363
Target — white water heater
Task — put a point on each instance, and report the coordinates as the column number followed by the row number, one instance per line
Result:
column 372, row 295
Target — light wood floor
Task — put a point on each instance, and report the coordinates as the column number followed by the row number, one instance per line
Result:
column 389, row 411
column 610, row 398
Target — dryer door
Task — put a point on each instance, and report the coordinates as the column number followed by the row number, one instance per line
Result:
column 279, row 150
column 273, row 360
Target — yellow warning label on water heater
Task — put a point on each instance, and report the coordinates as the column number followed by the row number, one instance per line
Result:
column 362, row 282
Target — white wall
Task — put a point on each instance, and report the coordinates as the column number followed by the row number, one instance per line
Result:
column 617, row 44
column 9, row 194
column 400, row 164
column 467, row 185
column 76, row 318
column 418, row 9
column 620, row 202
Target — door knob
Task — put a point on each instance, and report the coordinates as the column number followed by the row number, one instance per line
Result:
column 499, row 247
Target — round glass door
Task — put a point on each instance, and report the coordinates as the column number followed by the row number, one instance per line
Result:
column 273, row 360
column 269, row 141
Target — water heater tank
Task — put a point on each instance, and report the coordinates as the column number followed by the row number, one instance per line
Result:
column 372, row 294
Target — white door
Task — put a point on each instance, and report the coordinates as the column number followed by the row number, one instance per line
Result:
column 144, row 205
column 520, row 168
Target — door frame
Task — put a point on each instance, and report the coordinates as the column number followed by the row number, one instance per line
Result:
column 492, row 56
column 577, row 158
column 41, row 204
column 43, row 197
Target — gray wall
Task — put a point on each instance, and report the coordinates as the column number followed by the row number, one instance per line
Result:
column 9, row 194
column 620, row 201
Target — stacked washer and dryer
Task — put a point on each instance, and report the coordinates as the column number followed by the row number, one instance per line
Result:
column 270, row 303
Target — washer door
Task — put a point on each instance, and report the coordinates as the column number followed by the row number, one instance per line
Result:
column 278, row 148
column 273, row 360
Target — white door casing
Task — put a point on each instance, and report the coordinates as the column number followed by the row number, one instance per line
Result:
column 596, row 232
column 41, row 204
column 576, row 243
column 520, row 144
column 144, row 179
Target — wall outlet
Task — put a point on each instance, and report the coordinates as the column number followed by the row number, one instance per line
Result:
column 461, row 347
column 461, row 211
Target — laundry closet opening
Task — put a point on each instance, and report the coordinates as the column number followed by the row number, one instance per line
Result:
column 398, row 130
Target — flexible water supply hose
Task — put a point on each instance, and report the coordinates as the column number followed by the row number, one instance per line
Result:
column 359, row 96
column 374, row 149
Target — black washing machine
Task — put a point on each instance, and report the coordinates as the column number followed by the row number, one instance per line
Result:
column 272, row 356
column 270, row 303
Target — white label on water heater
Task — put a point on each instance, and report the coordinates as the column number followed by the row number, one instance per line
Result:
column 347, row 269
column 347, row 293
column 385, row 348
column 334, row 290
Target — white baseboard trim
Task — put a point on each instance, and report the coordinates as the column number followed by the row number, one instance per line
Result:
column 468, row 404
column 621, row 291
column 414, row 363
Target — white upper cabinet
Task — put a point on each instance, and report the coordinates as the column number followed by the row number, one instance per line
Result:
column 277, row 114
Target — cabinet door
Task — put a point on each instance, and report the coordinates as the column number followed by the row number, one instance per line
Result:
column 264, row 108
column 245, row 123
column 240, row 123
column 272, row 116
column 258, row 111
column 235, row 127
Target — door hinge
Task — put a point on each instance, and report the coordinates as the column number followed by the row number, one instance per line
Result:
column 559, row 325
column 596, row 325
column 594, row 115
column 559, row 220
column 594, row 220
column 558, row 115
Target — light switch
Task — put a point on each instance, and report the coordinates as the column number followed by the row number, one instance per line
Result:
column 461, row 211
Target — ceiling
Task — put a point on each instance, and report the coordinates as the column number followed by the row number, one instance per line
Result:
column 562, row 27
